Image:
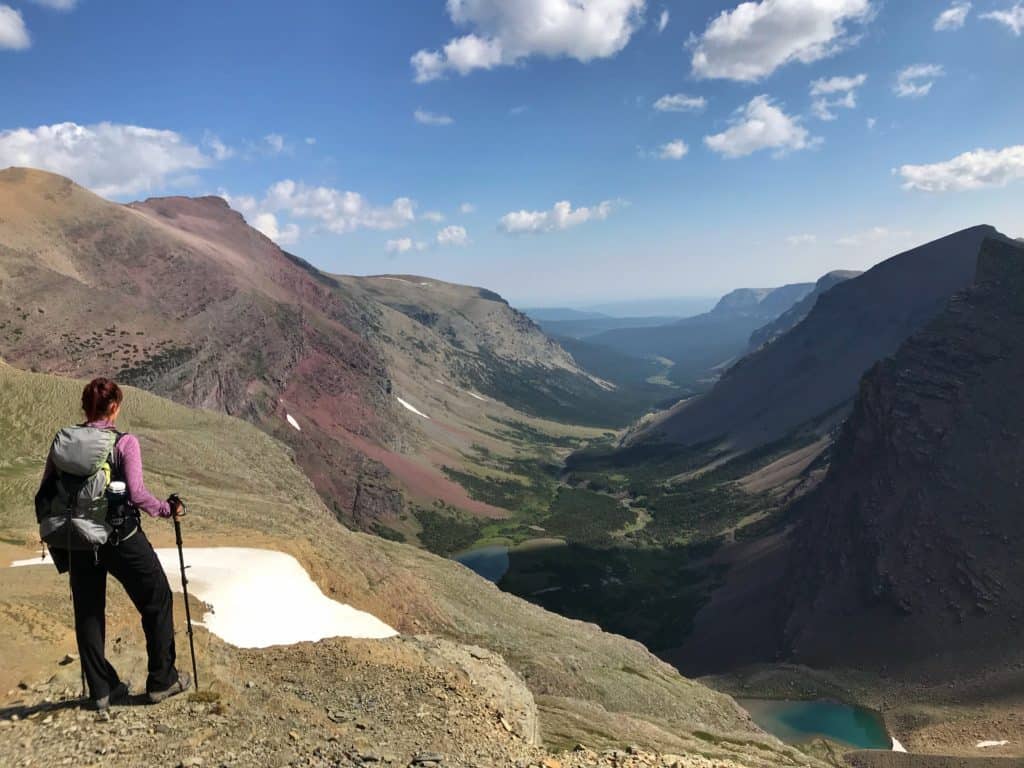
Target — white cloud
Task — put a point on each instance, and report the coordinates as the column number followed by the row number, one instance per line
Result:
column 680, row 102
column 917, row 80
column 220, row 150
column 971, row 170
column 823, row 108
column 430, row 118
column 311, row 140
column 453, row 235
column 953, row 17
column 518, row 110
column 871, row 123
column 108, row 158
column 59, row 5
column 505, row 32
column 247, row 205
column 334, row 210
column 404, row 245
column 837, row 85
column 756, row 38
column 467, row 208
column 267, row 224
column 801, row 239
column 673, row 150
column 275, row 142
column 663, row 21
column 844, row 91
column 13, row 32
column 561, row 216
column 1011, row 18
column 338, row 211
column 761, row 125
column 873, row 235
column 435, row 216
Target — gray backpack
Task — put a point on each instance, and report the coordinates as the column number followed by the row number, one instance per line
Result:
column 72, row 506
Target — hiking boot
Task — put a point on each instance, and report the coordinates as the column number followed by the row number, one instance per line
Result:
column 182, row 684
column 117, row 697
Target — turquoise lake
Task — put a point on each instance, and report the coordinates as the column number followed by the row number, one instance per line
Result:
column 796, row 721
column 790, row 721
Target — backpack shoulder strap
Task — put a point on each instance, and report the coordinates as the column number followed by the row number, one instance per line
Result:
column 116, row 470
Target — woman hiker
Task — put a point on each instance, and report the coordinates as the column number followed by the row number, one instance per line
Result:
column 125, row 552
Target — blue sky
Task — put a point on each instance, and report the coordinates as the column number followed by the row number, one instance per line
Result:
column 540, row 166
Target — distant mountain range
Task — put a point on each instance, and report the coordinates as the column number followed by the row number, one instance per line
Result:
column 703, row 345
column 562, row 314
column 683, row 306
column 587, row 327
column 815, row 366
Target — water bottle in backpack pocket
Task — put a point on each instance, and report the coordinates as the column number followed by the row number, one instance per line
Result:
column 122, row 517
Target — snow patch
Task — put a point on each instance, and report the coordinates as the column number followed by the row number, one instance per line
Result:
column 292, row 421
column 896, row 746
column 259, row 597
column 410, row 407
column 991, row 743
column 466, row 391
column 42, row 560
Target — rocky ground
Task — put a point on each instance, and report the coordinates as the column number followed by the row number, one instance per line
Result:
column 417, row 702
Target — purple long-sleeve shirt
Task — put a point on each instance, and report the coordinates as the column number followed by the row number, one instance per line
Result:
column 129, row 457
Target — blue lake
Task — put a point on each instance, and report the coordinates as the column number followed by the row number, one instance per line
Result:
column 489, row 562
column 797, row 721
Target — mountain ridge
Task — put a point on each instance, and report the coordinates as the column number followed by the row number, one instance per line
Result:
column 814, row 367
column 798, row 311
column 918, row 503
column 182, row 297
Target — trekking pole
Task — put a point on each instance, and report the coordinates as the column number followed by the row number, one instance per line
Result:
column 175, row 502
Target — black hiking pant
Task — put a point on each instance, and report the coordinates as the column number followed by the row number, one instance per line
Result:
column 133, row 563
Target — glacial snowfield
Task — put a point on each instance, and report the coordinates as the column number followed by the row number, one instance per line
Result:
column 261, row 597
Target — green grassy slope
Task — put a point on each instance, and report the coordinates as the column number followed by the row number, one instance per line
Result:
column 229, row 470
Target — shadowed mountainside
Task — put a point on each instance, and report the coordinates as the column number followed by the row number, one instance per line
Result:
column 911, row 546
column 814, row 368
column 796, row 313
